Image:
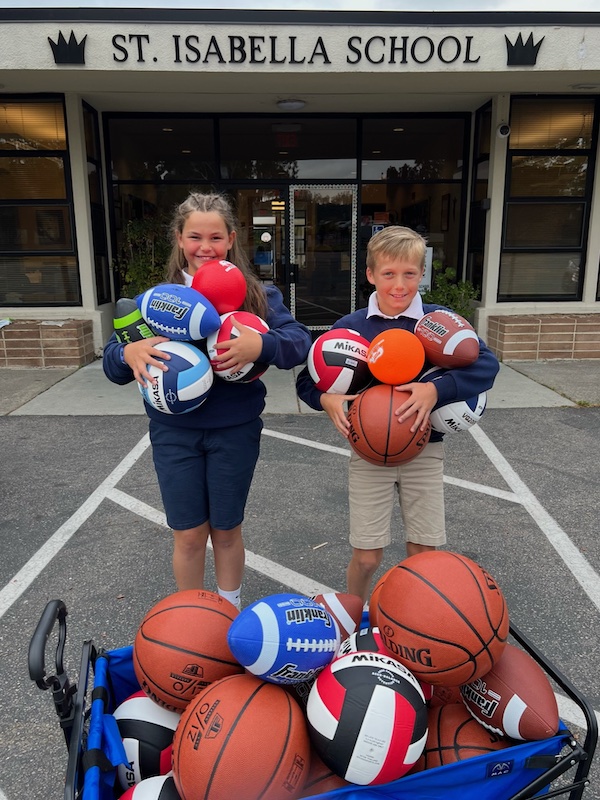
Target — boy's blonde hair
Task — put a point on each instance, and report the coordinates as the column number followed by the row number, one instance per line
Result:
column 396, row 241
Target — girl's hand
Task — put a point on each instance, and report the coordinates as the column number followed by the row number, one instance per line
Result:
column 423, row 397
column 333, row 405
column 244, row 349
column 142, row 354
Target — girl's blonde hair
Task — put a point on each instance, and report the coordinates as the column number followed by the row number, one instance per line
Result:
column 396, row 241
column 256, row 299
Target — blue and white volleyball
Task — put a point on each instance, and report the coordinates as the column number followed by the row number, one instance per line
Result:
column 186, row 383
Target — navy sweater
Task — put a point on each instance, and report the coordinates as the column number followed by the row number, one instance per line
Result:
column 454, row 384
column 285, row 345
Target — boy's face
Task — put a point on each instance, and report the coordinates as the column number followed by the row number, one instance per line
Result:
column 396, row 282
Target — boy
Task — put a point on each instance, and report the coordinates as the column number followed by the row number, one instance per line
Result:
column 395, row 267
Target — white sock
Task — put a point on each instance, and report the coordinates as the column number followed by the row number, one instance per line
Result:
column 233, row 596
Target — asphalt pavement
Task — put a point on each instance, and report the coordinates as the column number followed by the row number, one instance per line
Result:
column 82, row 521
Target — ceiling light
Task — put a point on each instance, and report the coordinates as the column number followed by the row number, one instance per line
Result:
column 167, row 130
column 291, row 105
column 397, row 130
column 186, row 151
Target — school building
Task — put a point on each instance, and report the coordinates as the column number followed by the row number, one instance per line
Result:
column 477, row 129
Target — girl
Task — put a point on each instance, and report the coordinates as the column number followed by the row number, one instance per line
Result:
column 205, row 459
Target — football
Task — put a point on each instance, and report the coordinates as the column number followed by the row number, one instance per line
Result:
column 514, row 699
column 284, row 638
column 449, row 339
column 178, row 312
column 186, row 383
column 227, row 331
column 337, row 362
column 346, row 610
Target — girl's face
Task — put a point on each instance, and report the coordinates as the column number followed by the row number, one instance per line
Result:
column 204, row 237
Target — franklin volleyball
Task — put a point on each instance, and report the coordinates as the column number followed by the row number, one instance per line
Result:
column 337, row 362
column 186, row 383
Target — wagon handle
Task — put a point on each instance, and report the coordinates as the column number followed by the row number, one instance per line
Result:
column 55, row 610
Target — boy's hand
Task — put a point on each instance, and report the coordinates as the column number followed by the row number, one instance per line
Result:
column 423, row 397
column 244, row 349
column 333, row 405
column 143, row 353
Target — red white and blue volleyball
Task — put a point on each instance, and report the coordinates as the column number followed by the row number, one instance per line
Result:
column 228, row 330
column 178, row 312
column 284, row 638
column 147, row 732
column 186, row 383
column 337, row 362
column 367, row 718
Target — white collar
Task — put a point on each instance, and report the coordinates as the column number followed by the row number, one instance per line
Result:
column 187, row 277
column 414, row 311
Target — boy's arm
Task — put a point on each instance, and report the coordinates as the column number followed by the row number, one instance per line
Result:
column 333, row 404
column 462, row 383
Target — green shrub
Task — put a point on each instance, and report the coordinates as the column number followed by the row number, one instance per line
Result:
column 144, row 255
column 447, row 291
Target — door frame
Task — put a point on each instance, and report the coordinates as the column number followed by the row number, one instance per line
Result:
column 291, row 242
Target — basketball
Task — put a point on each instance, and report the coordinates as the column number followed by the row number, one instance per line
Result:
column 228, row 330
column 162, row 788
column 337, row 362
column 222, row 283
column 375, row 433
column 443, row 616
column 186, row 383
column 367, row 718
column 241, row 737
column 396, row 356
column 147, row 732
column 320, row 779
column 181, row 646
column 455, row 736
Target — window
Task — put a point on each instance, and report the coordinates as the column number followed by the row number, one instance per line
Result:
column 546, row 217
column 38, row 264
column 94, row 170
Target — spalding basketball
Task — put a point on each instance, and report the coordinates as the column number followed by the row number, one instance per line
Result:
column 396, row 356
column 375, row 433
column 241, row 737
column 228, row 330
column 455, row 736
column 449, row 340
column 186, row 383
column 337, row 362
column 147, row 732
column 460, row 415
column 361, row 699
column 222, row 283
column 181, row 646
column 443, row 616
column 160, row 788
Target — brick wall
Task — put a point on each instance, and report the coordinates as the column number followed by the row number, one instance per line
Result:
column 538, row 337
column 34, row 343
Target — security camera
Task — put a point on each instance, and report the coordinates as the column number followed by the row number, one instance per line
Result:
column 503, row 130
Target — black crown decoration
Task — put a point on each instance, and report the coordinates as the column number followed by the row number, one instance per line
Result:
column 522, row 54
column 68, row 52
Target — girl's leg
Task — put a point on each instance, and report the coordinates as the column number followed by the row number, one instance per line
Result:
column 228, row 547
column 189, row 555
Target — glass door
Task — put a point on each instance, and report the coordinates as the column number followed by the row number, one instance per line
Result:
column 322, row 241
column 262, row 233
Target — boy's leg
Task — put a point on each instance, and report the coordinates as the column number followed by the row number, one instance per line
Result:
column 361, row 569
column 189, row 554
column 421, row 490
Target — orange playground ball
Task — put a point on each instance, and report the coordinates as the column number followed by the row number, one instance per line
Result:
column 396, row 356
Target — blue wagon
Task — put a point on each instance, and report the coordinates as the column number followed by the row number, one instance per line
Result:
column 550, row 767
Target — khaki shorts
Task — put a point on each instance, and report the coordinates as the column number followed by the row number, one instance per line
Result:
column 420, row 486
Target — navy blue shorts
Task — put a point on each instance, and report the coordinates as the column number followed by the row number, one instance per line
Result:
column 205, row 475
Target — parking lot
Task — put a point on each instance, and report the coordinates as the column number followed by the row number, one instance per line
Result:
column 82, row 521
